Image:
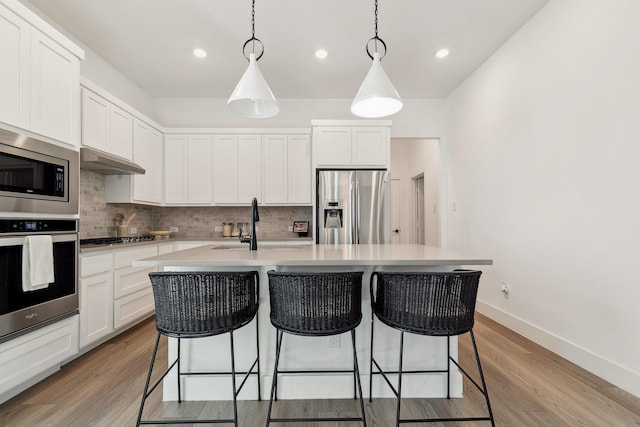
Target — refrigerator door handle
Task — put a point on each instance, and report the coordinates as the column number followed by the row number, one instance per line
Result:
column 356, row 227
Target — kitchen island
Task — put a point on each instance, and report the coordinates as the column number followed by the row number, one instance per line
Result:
column 326, row 352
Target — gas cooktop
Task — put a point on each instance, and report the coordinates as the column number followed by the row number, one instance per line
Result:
column 106, row 241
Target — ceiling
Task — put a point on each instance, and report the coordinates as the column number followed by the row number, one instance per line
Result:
column 151, row 41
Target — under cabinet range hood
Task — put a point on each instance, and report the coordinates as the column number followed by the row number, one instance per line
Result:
column 107, row 164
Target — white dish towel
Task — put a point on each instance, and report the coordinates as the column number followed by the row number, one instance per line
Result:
column 37, row 263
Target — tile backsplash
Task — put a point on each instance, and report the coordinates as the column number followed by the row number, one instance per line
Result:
column 96, row 216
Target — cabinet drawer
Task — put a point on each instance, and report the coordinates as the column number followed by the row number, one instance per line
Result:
column 34, row 353
column 94, row 264
column 130, row 280
column 165, row 249
column 132, row 307
column 125, row 258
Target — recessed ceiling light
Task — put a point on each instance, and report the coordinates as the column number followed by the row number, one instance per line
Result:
column 442, row 53
column 321, row 53
column 199, row 53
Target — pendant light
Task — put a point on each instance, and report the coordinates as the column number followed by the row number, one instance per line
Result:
column 377, row 97
column 252, row 97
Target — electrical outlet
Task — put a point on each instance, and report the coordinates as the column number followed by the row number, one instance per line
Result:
column 504, row 289
column 173, row 229
column 133, row 230
column 334, row 341
column 218, row 228
column 291, row 228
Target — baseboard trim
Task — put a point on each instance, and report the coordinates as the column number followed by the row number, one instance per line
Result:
column 618, row 375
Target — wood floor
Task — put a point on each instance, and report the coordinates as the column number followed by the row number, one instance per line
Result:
column 528, row 386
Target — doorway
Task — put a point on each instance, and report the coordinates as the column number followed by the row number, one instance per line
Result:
column 416, row 191
column 419, row 212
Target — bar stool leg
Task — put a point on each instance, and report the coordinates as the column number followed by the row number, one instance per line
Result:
column 371, row 362
column 233, row 381
column 400, row 379
column 274, row 394
column 448, row 367
column 356, row 373
column 485, row 391
column 258, row 356
column 146, row 385
column 179, row 371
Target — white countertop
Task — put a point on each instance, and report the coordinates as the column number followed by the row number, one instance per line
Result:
column 313, row 255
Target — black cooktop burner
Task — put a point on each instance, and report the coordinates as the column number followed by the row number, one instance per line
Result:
column 104, row 241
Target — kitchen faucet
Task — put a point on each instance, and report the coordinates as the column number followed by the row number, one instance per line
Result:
column 253, row 239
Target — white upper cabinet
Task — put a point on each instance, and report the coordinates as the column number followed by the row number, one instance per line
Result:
column 287, row 169
column 39, row 76
column 14, row 72
column 187, row 169
column 299, row 170
column 176, row 180
column 370, row 146
column 356, row 146
column 249, row 168
column 55, row 89
column 106, row 126
column 334, row 145
column 199, row 174
column 148, row 153
column 275, row 168
column 225, row 168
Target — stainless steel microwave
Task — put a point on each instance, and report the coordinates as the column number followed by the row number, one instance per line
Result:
column 36, row 176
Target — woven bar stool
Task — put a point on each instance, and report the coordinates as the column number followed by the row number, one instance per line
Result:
column 316, row 305
column 433, row 304
column 197, row 305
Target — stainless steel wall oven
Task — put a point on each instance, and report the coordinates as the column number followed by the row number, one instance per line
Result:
column 22, row 311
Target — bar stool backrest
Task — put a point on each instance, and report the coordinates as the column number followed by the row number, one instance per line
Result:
column 438, row 304
column 315, row 304
column 197, row 304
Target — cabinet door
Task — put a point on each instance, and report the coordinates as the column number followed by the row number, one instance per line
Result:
column 141, row 156
column 225, row 168
column 96, row 308
column 176, row 185
column 14, row 72
column 299, row 169
column 334, row 146
column 249, row 168
column 120, row 132
column 370, row 146
column 199, row 169
column 156, row 166
column 275, row 168
column 55, row 90
column 95, row 121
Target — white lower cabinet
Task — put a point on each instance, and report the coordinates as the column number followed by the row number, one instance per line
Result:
column 29, row 358
column 96, row 296
column 132, row 297
column 113, row 293
column 96, row 313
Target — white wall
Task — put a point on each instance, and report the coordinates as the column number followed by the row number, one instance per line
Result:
column 543, row 147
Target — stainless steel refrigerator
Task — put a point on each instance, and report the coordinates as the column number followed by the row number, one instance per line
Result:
column 352, row 206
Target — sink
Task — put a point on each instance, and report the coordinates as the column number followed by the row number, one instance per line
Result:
column 260, row 248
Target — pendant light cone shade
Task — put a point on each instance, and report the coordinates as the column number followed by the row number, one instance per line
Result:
column 252, row 97
column 377, row 96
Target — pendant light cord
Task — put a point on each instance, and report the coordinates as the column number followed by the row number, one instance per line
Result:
column 253, row 19
column 375, row 38
column 253, row 38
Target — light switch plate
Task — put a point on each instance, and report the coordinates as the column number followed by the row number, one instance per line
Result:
column 173, row 229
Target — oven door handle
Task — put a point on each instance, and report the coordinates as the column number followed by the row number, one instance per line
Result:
column 19, row 240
